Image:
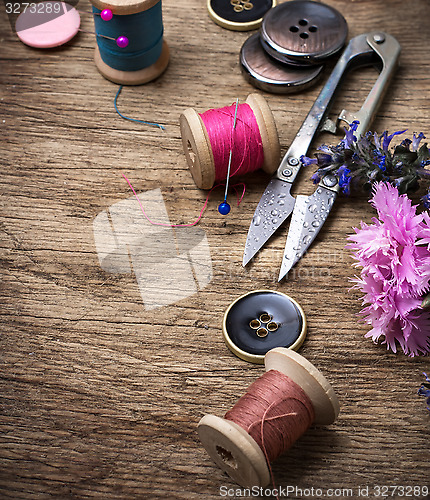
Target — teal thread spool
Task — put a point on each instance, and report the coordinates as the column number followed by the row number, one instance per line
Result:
column 147, row 54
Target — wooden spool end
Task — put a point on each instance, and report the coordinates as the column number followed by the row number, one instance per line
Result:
column 269, row 134
column 124, row 7
column 198, row 149
column 309, row 378
column 141, row 76
column 138, row 77
column 234, row 451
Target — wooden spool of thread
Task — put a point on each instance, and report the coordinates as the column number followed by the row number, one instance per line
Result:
column 146, row 56
column 276, row 410
column 208, row 138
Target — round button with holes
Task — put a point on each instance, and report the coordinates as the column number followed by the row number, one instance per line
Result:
column 268, row 74
column 262, row 320
column 303, row 32
column 239, row 15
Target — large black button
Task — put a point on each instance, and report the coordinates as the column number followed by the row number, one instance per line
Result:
column 262, row 320
column 303, row 32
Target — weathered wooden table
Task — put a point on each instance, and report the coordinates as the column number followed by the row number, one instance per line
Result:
column 100, row 395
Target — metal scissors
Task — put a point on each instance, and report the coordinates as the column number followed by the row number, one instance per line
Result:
column 310, row 212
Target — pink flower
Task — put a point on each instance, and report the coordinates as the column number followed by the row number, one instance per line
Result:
column 394, row 254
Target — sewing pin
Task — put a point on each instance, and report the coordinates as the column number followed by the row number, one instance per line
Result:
column 105, row 14
column 122, row 41
column 224, row 207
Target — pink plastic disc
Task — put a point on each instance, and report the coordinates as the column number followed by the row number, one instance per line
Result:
column 49, row 24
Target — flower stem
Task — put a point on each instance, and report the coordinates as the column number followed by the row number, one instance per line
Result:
column 426, row 302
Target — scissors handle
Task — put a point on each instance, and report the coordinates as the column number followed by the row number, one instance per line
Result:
column 363, row 50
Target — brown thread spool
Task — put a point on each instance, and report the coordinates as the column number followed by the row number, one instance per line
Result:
column 198, row 150
column 235, row 451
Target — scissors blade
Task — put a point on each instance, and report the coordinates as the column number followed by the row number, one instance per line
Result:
column 273, row 209
column 310, row 213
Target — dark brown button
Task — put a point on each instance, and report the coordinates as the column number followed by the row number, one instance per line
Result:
column 303, row 32
column 270, row 75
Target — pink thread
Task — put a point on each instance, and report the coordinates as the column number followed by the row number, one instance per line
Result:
column 239, row 199
column 244, row 140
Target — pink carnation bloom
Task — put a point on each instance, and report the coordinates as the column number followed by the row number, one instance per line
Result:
column 394, row 254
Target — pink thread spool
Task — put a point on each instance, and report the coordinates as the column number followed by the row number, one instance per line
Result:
column 201, row 147
column 236, row 452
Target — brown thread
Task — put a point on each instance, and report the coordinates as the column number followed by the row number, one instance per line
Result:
column 275, row 412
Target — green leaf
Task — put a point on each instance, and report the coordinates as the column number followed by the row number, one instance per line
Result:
column 426, row 302
column 404, row 155
column 423, row 153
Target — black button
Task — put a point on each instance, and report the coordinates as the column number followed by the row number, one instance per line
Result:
column 239, row 15
column 262, row 320
column 270, row 75
column 303, row 32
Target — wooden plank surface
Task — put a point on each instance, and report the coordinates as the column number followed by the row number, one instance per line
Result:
column 100, row 397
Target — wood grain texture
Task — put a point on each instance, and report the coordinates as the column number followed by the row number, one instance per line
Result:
column 100, row 397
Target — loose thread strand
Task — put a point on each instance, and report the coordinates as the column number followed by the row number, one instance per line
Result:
column 266, row 455
column 115, row 103
column 182, row 225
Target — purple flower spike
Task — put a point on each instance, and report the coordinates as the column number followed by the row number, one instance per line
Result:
column 381, row 163
column 406, row 143
column 350, row 138
column 315, row 178
column 386, row 139
column 325, row 149
column 424, row 390
column 344, row 179
column 324, row 159
column 306, row 161
column 416, row 141
column 371, row 159
column 426, row 200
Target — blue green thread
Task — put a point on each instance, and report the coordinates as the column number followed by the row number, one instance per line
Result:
column 133, row 119
column 144, row 31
